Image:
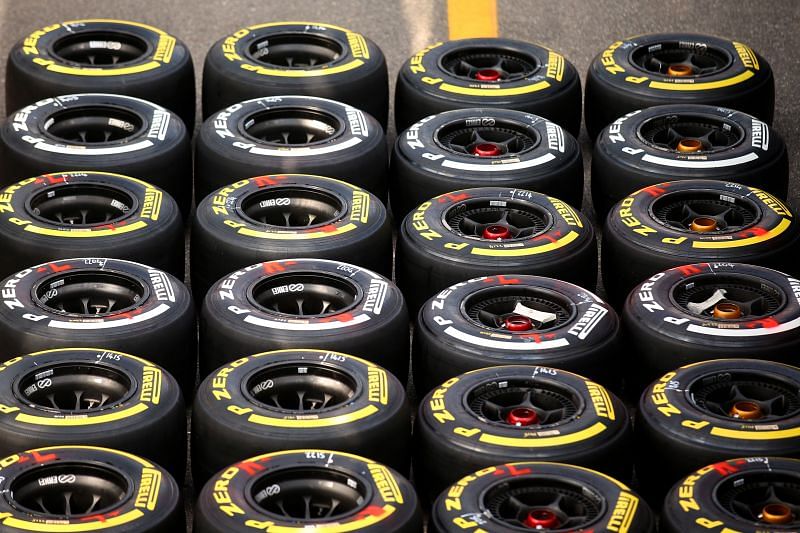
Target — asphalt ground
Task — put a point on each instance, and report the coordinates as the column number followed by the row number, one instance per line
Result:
column 577, row 28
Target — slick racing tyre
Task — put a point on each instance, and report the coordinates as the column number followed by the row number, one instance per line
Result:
column 529, row 496
column 484, row 148
column 749, row 495
column 517, row 413
column 676, row 68
column 302, row 58
column 293, row 399
column 84, row 488
column 283, row 216
column 305, row 303
column 479, row 232
column 499, row 73
column 110, row 303
column 95, row 397
column 715, row 410
column 303, row 490
column 685, row 142
column 102, row 132
column 680, row 222
column 291, row 134
column 707, row 311
column 502, row 320
column 88, row 214
column 103, row 56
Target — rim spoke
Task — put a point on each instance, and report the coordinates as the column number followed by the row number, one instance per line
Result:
column 490, row 318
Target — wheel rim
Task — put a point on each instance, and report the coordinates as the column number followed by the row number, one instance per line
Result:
column 728, row 297
column 306, row 295
column 524, row 403
column 300, row 388
column 763, row 498
column 310, row 494
column 492, row 138
column 100, row 49
column 69, row 490
column 292, row 126
column 483, row 219
column 74, row 388
column 82, row 205
column 671, row 59
column 690, row 134
column 293, row 207
column 89, row 293
column 296, row 51
column 544, row 504
column 92, row 125
column 494, row 65
column 705, row 212
column 518, row 309
column 746, row 395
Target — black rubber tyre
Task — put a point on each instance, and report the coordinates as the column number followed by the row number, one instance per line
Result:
column 294, row 399
column 539, row 496
column 480, row 232
column 305, row 303
column 89, row 214
column 116, row 304
column 711, row 411
column 84, row 488
column 283, row 216
column 518, row 413
column 750, row 495
column 103, row 56
column 676, row 68
column 685, row 142
column 94, row 397
column 503, row 320
column 294, row 134
column 500, row 73
column 299, row 490
column 484, row 148
column 101, row 132
column 677, row 317
column 695, row 221
column 309, row 59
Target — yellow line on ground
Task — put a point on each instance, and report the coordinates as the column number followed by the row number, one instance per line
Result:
column 472, row 18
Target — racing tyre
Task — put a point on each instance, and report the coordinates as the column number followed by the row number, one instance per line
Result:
column 118, row 305
column 102, row 56
column 517, row 413
column 283, row 216
column 297, row 490
column 704, row 311
column 88, row 214
column 676, row 68
column 94, row 397
column 715, row 410
column 305, row 303
column 293, row 399
column 311, row 59
column 685, row 142
column 503, row 320
column 499, row 73
column 750, row 495
column 291, row 134
column 484, row 148
column 528, row 496
column 84, row 488
column 479, row 232
column 679, row 222
column 101, row 132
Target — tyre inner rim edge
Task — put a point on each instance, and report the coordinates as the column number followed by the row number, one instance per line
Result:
column 293, row 207
column 711, row 212
column 292, row 126
column 100, row 48
column 543, row 503
column 489, row 65
column 690, row 134
column 762, row 498
column 675, row 60
column 90, row 125
column 82, row 205
column 490, row 219
column 70, row 490
column 91, row 294
column 524, row 403
column 728, row 297
column 518, row 309
column 296, row 51
column 491, row 139
column 305, row 294
column 300, row 387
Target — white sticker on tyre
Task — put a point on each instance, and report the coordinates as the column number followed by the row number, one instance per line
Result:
column 744, row 332
column 307, row 326
column 683, row 163
column 500, row 166
column 505, row 345
column 82, row 150
column 121, row 322
column 304, row 151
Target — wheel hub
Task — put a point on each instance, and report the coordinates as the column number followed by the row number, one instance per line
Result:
column 777, row 513
column 727, row 311
column 679, row 71
column 703, row 225
column 82, row 205
column 486, row 150
column 518, row 323
column 305, row 294
column 90, row 293
column 292, row 207
column 74, row 388
column 301, row 388
column 496, row 232
column 292, row 126
column 487, row 74
column 94, row 124
column 746, row 410
column 522, row 416
column 542, row 519
column 690, row 145
column 690, row 133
